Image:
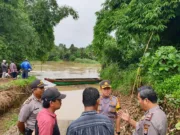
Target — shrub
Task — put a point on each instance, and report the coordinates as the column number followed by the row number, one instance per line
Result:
column 127, row 80
column 111, row 73
column 164, row 63
column 121, row 79
column 169, row 86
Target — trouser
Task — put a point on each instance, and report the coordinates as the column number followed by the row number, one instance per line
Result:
column 25, row 74
column 3, row 74
column 28, row 131
column 14, row 74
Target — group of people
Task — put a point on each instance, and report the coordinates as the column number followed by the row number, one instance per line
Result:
column 101, row 116
column 12, row 71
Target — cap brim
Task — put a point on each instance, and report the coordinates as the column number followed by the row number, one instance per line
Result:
column 109, row 86
column 62, row 96
column 42, row 85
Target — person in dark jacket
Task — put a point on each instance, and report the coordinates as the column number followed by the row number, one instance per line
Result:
column 90, row 122
column 26, row 67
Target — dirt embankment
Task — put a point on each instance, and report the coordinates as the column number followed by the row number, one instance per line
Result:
column 11, row 97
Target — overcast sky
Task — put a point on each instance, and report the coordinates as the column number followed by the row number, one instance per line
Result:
column 78, row 32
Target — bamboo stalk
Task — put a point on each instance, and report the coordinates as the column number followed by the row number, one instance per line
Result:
column 139, row 68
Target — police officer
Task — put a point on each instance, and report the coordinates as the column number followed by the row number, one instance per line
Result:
column 109, row 105
column 30, row 109
column 154, row 121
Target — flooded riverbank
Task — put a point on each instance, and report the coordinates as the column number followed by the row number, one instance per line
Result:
column 72, row 106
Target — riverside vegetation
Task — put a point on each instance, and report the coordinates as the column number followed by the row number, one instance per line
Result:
column 137, row 43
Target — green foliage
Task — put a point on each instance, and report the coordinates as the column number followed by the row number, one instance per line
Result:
column 173, row 101
column 122, row 80
column 26, row 28
column 23, row 82
column 178, row 126
column 126, row 81
column 169, row 86
column 12, row 122
column 18, row 82
column 163, row 64
column 72, row 53
column 132, row 22
column 111, row 72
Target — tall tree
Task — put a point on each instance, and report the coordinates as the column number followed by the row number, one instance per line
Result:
column 132, row 21
column 45, row 14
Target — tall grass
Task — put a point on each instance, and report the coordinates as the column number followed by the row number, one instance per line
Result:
column 18, row 82
column 122, row 80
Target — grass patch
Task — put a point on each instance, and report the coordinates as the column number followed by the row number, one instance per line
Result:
column 89, row 61
column 18, row 82
column 11, row 122
column 8, row 120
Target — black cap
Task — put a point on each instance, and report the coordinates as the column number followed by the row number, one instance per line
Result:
column 37, row 84
column 105, row 84
column 52, row 94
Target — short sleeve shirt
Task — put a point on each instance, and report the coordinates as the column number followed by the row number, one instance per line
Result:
column 29, row 111
column 109, row 106
column 154, row 122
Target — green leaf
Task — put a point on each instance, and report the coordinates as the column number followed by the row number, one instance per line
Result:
column 178, row 126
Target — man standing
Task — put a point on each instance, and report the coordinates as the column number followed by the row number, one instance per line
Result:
column 26, row 67
column 154, row 122
column 46, row 119
column 30, row 109
column 108, row 104
column 4, row 67
column 91, row 123
column 13, row 70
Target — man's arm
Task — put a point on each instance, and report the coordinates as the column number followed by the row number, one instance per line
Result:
column 132, row 122
column 21, row 127
column 118, row 124
column 127, row 118
column 23, row 116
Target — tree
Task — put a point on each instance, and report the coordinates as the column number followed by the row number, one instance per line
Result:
column 133, row 22
column 45, row 14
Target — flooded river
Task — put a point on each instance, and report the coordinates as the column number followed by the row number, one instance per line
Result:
column 72, row 106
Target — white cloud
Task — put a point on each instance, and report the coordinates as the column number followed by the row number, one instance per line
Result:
column 78, row 32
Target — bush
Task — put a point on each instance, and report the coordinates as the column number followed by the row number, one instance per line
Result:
column 168, row 86
column 111, row 73
column 164, row 63
column 127, row 80
column 121, row 79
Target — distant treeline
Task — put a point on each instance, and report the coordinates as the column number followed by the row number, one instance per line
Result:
column 61, row 52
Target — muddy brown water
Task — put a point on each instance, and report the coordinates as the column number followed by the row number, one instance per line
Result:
column 72, row 106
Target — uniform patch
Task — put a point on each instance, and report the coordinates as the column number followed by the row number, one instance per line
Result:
column 142, row 118
column 149, row 116
column 28, row 101
column 146, row 127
